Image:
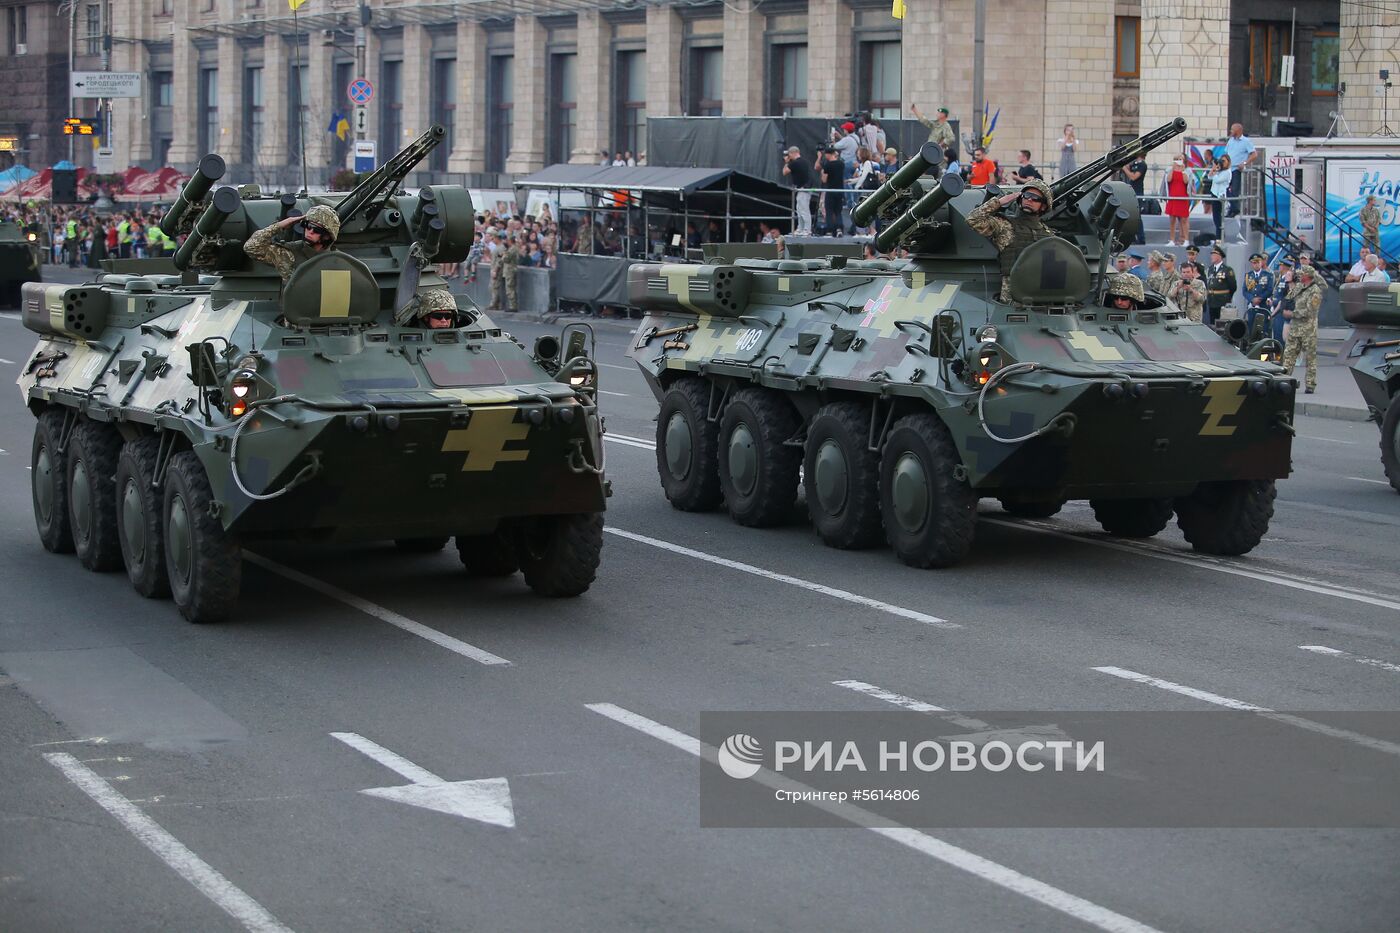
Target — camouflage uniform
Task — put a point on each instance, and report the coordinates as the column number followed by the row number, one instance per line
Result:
column 1154, row 276
column 1302, row 330
column 285, row 257
column 433, row 299
column 1190, row 297
column 505, row 269
column 939, row 132
column 1164, row 282
column 1370, row 218
column 1010, row 235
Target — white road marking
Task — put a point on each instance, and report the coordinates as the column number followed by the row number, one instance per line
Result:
column 206, row 880
column 630, row 369
column 1330, row 440
column 1310, row 725
column 1008, row 878
column 618, row 394
column 6, row 362
column 440, row 639
column 843, row 595
column 1206, row 563
column 486, row 801
column 1370, row 662
column 626, row 441
column 897, row 699
column 94, row 740
column 1365, row 479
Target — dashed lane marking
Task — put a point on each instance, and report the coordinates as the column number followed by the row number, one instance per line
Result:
column 1330, row 440
column 630, row 369
column 629, row 441
column 619, row 394
column 6, row 362
column 207, row 880
column 1000, row 875
column 833, row 592
column 440, row 639
column 1389, row 748
column 1365, row 479
column 1369, row 662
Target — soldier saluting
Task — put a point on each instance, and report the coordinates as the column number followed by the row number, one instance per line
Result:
column 1012, row 232
column 1302, row 332
column 321, row 227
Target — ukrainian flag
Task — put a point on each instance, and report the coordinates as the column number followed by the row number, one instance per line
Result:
column 340, row 124
column 295, row 4
column 897, row 10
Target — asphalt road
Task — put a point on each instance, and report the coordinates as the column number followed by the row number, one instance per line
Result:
column 160, row 775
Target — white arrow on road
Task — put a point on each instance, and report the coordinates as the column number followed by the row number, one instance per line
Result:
column 486, row 801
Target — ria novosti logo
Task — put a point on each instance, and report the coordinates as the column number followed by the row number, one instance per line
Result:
column 740, row 756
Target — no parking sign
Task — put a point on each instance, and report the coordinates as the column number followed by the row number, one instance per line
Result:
column 360, row 91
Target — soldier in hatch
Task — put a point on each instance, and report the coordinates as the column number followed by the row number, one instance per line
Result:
column 1124, row 292
column 322, row 226
column 1012, row 232
column 437, row 309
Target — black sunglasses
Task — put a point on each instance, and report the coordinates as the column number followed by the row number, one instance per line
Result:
column 440, row 316
column 319, row 231
column 1032, row 197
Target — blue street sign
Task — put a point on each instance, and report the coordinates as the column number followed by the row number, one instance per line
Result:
column 360, row 91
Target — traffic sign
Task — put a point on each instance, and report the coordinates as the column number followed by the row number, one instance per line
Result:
column 105, row 84
column 105, row 162
column 361, row 120
column 360, row 91
column 364, row 155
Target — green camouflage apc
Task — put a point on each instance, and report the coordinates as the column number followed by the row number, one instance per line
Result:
column 183, row 416
column 1373, row 353
column 19, row 261
column 902, row 392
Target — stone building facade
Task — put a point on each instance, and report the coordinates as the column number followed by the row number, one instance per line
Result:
column 575, row 77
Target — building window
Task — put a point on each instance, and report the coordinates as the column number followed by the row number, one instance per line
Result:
column 706, row 82
column 563, row 91
column 209, row 104
column 165, row 8
column 631, row 101
column 1324, row 63
column 1127, row 44
column 444, row 109
column 94, row 29
column 298, row 112
column 790, row 80
column 1267, row 44
column 390, row 108
column 252, row 113
column 208, row 6
column 162, row 88
column 11, row 30
column 880, row 79
column 500, row 97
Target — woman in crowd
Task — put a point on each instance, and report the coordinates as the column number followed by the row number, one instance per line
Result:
column 1220, row 189
column 1180, row 184
column 866, row 177
column 1068, row 144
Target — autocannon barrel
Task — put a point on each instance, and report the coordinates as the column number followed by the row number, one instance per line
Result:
column 225, row 203
column 947, row 188
column 928, row 155
column 384, row 180
column 1068, row 190
column 209, row 170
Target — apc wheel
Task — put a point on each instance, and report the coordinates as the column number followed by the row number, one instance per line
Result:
column 842, row 477
column 48, row 481
column 1132, row 518
column 687, row 447
column 1390, row 442
column 490, row 555
column 204, row 562
column 757, row 470
column 930, row 515
column 1229, row 517
column 1030, row 508
column 92, row 495
column 421, row 545
column 140, row 528
column 559, row 554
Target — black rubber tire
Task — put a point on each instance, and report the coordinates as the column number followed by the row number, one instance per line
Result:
column 945, row 536
column 93, row 449
column 422, row 545
column 770, row 421
column 1030, row 508
column 697, row 490
column 491, row 555
column 856, row 523
column 1390, row 442
column 559, row 554
column 50, row 483
column 145, row 565
column 209, row 590
column 1229, row 517
column 1132, row 518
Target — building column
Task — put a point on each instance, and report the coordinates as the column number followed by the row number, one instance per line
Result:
column 744, row 69
column 469, row 146
column 321, row 100
column 230, row 143
column 276, row 77
column 664, row 39
column 1078, row 80
column 531, row 113
column 417, row 84
column 185, row 140
column 1173, row 32
column 923, row 74
column 829, row 54
column 130, row 136
column 594, row 73
column 1369, row 40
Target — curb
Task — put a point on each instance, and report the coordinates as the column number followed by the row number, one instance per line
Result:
column 1335, row 412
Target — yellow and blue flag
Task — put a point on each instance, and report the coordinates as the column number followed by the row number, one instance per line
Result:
column 339, row 125
column 295, row 4
column 897, row 11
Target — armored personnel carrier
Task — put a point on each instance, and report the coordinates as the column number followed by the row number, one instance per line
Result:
column 182, row 417
column 902, row 392
column 1373, row 354
column 19, row 261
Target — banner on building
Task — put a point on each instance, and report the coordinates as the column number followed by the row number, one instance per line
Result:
column 1349, row 183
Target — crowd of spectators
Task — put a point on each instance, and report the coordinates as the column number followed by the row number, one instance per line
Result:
column 534, row 237
column 77, row 235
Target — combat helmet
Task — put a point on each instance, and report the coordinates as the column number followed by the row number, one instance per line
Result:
column 1044, row 189
column 324, row 217
column 1126, row 285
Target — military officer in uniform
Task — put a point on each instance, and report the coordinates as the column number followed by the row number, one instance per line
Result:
column 1258, row 290
column 505, row 269
column 1154, row 270
column 1012, row 232
column 1168, row 277
column 321, row 227
column 1220, row 284
column 1370, row 218
column 1124, row 291
column 1190, row 294
column 1302, row 330
column 1283, row 282
column 1192, row 252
